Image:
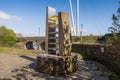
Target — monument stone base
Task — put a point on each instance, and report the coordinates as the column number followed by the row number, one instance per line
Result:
column 56, row 65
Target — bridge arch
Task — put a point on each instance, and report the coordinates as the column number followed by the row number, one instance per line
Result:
column 31, row 45
column 42, row 45
column 34, row 45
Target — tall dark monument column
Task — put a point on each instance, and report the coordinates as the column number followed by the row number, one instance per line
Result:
column 64, row 35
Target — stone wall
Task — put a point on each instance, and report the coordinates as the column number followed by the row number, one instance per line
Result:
column 107, row 55
column 20, row 45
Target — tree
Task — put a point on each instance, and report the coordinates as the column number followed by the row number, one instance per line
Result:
column 7, row 37
column 115, row 28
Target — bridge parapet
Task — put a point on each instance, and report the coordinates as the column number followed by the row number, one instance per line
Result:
column 31, row 43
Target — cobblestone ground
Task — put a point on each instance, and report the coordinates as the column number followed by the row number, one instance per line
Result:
column 87, row 70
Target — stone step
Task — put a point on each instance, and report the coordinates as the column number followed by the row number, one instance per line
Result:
column 53, row 32
column 52, row 43
column 53, row 26
column 52, row 37
column 53, row 48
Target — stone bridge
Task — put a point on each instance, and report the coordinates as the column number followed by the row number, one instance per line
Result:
column 31, row 43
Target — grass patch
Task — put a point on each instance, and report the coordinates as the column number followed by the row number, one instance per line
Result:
column 88, row 57
column 12, row 50
column 83, row 56
column 79, row 56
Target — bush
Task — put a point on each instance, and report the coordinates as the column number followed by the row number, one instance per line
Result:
column 7, row 37
column 86, row 39
column 115, row 40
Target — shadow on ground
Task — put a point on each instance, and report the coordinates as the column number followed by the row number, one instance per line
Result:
column 33, row 65
column 87, row 70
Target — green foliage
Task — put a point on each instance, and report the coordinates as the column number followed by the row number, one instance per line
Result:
column 87, row 39
column 12, row 50
column 7, row 37
column 115, row 40
column 115, row 28
column 77, row 39
column 90, row 39
column 79, row 56
column 82, row 56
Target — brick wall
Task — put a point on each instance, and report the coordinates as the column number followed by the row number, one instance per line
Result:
column 107, row 55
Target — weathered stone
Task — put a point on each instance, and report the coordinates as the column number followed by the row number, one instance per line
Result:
column 64, row 35
column 56, row 65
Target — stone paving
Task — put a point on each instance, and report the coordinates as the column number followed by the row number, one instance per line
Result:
column 97, row 71
column 87, row 70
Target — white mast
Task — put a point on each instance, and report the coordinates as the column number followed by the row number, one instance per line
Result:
column 71, row 10
column 39, row 31
column 77, row 16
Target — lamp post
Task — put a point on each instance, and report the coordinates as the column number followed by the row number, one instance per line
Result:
column 39, row 31
column 81, row 33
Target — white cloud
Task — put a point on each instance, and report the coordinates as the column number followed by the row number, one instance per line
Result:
column 7, row 17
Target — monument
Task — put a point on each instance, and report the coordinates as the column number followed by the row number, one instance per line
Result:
column 58, row 59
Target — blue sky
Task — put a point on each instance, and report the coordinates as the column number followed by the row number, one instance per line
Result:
column 26, row 16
